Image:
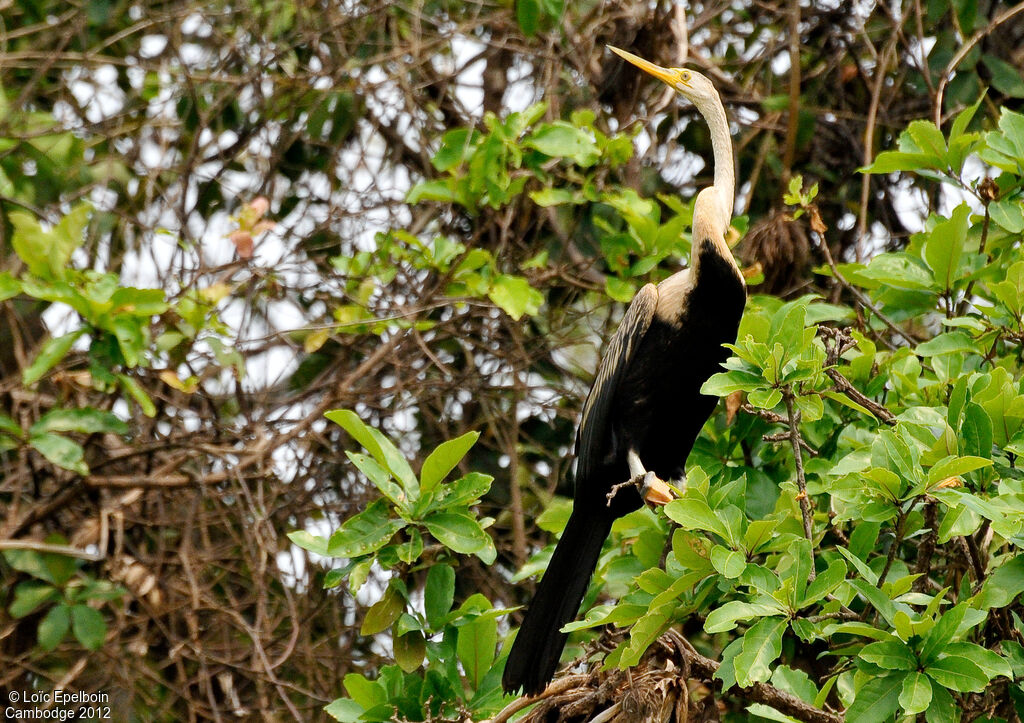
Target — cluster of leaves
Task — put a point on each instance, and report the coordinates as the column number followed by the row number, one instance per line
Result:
column 873, row 571
column 843, row 533
column 70, row 595
column 444, row 654
column 559, row 165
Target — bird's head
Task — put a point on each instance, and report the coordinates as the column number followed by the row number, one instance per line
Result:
column 689, row 83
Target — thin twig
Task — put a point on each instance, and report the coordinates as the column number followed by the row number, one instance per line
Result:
column 801, row 482
column 962, row 53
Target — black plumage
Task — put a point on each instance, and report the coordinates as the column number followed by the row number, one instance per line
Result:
column 645, row 409
column 647, row 398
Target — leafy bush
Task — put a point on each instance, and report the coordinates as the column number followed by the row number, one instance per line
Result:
column 852, row 536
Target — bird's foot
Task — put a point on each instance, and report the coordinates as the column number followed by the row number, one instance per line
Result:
column 654, row 491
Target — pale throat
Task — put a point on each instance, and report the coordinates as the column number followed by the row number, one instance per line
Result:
column 721, row 147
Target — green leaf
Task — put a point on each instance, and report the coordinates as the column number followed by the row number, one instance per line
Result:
column 30, row 595
column 1005, row 77
column 945, row 245
column 762, row 644
column 49, row 355
column 365, row 532
column 9, row 286
column 48, row 253
column 53, row 627
column 60, row 451
column 990, row 662
column 963, row 119
column 1009, row 214
column 619, row 289
column 88, row 626
column 725, row 617
column 1003, row 586
column 136, row 392
column 899, row 270
column 344, row 710
column 893, row 161
column 561, row 140
column 515, row 296
column 86, row 421
column 916, row 693
column 475, row 647
column 976, row 431
column 382, row 449
column 444, row 458
column 942, row 708
column 877, row 598
column 409, row 650
column 694, row 514
column 528, row 16
column 547, row 197
column 367, row 693
column 464, row 491
column 890, row 654
column 383, row 613
column 729, row 563
column 461, row 533
column 876, row 700
column 380, row 478
column 456, row 148
column 439, row 594
column 825, row 583
column 958, row 673
column 955, row 467
column 309, row 541
column 941, row 633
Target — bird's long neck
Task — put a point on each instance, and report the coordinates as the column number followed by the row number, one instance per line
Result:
column 721, row 146
column 712, row 212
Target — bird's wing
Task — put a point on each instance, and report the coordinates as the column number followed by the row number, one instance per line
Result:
column 593, row 435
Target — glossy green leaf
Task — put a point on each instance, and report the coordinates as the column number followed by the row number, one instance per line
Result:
column 383, row 613
column 461, row 533
column 562, row 140
column 136, row 392
column 916, row 693
column 877, row 699
column 382, row 449
column 444, row 458
column 942, row 633
column 308, row 541
column 958, row 673
column 890, row 654
column 944, row 247
column 409, row 650
column 729, row 563
column 725, row 617
column 694, row 514
column 476, row 645
column 365, row 532
column 438, row 594
column 762, row 644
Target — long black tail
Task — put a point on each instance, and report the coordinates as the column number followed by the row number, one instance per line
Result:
column 538, row 646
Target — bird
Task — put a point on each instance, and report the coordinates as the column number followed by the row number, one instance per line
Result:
column 645, row 409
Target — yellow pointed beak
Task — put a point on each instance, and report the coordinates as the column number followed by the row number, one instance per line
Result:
column 664, row 74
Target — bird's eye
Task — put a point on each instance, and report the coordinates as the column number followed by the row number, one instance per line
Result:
column 686, row 76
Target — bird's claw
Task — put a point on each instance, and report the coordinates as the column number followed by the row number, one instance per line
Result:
column 655, row 491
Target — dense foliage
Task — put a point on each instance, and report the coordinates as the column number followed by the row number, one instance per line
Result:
column 220, row 222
